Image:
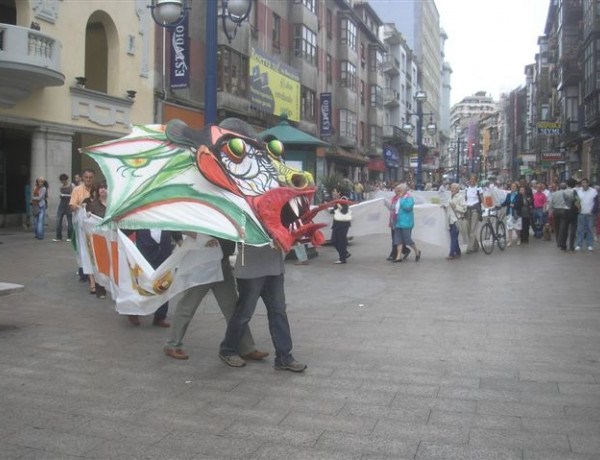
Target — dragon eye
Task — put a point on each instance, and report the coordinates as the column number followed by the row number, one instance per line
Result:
column 275, row 148
column 236, row 148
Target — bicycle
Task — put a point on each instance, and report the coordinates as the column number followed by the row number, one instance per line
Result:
column 490, row 233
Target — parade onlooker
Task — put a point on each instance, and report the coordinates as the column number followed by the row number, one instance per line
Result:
column 473, row 215
column 63, row 208
column 539, row 210
column 525, row 214
column 226, row 296
column 260, row 277
column 456, row 213
column 571, row 198
column 588, row 197
column 513, row 203
column 39, row 204
column 358, row 191
column 405, row 221
column 559, row 209
column 342, row 218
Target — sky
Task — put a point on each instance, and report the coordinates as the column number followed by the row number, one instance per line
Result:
column 490, row 42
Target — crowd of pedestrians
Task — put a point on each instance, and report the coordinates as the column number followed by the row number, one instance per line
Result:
column 567, row 210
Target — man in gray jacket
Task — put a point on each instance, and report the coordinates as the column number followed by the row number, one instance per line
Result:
column 259, row 274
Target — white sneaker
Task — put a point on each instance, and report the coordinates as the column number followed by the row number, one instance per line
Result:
column 519, row 243
column 509, row 244
column 56, row 240
column 590, row 248
column 578, row 248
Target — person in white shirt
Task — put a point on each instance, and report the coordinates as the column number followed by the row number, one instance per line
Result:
column 588, row 197
column 473, row 214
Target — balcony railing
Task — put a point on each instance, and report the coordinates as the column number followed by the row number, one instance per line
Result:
column 391, row 65
column 29, row 59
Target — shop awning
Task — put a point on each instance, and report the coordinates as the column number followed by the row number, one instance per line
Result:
column 289, row 135
column 376, row 164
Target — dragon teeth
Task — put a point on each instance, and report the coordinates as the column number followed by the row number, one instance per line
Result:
column 295, row 206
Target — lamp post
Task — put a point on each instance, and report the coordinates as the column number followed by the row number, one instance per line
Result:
column 420, row 97
column 172, row 13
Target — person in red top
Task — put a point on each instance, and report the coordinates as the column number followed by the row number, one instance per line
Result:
column 539, row 210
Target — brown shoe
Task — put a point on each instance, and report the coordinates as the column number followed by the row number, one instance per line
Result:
column 175, row 353
column 161, row 323
column 134, row 319
column 256, row 355
column 302, row 263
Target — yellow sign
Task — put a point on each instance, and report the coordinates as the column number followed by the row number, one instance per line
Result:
column 274, row 86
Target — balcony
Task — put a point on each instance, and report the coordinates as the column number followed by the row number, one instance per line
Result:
column 29, row 59
column 391, row 97
column 391, row 65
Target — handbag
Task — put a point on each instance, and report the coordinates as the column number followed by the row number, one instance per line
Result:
column 339, row 216
column 35, row 210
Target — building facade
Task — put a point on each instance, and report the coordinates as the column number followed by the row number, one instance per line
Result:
column 71, row 74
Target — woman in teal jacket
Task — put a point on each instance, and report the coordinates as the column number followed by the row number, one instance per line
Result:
column 405, row 221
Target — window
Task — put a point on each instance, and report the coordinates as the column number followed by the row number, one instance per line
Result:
column 311, row 5
column 347, row 124
column 376, row 96
column 348, row 75
column 233, row 72
column 348, row 34
column 363, row 59
column 276, row 31
column 376, row 61
column 362, row 133
column 329, row 69
column 329, row 24
column 307, row 104
column 375, row 135
column 362, row 92
column 305, row 43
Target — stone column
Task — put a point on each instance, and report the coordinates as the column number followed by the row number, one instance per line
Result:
column 51, row 154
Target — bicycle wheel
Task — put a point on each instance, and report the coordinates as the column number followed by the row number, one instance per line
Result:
column 486, row 238
column 501, row 235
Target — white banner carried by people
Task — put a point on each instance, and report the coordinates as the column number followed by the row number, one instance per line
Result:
column 134, row 285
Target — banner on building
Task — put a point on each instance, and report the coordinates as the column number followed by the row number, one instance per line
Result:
column 326, row 113
column 391, row 156
column 552, row 156
column 547, row 128
column 414, row 160
column 274, row 86
column 179, row 62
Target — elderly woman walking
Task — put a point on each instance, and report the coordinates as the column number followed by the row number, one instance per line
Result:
column 405, row 221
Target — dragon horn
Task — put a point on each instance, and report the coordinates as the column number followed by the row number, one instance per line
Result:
column 179, row 132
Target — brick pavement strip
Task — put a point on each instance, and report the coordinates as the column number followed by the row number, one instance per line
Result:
column 489, row 357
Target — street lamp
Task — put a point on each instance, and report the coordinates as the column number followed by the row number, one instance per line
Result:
column 172, row 13
column 420, row 97
column 451, row 149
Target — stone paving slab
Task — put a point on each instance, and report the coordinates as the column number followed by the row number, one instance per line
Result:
column 489, row 357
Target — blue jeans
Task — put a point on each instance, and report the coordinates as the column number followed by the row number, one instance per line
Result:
column 270, row 289
column 540, row 217
column 454, row 246
column 585, row 226
column 38, row 224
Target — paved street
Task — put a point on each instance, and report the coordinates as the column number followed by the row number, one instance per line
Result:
column 490, row 357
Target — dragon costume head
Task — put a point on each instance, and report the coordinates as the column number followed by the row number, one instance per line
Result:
column 221, row 180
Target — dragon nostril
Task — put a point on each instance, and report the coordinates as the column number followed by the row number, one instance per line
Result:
column 299, row 181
